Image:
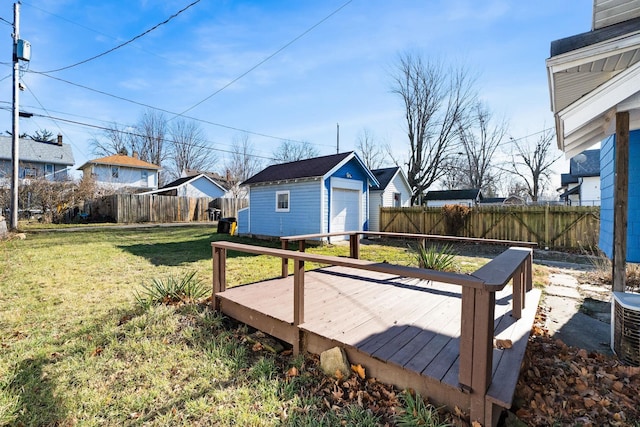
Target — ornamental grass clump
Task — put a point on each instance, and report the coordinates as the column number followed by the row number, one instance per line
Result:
column 171, row 290
column 436, row 257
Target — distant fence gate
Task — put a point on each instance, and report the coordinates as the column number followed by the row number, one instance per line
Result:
column 135, row 208
column 566, row 227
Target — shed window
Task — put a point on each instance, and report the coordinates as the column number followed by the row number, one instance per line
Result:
column 282, row 201
column 115, row 171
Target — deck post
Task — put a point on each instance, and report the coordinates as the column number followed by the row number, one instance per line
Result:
column 528, row 273
column 354, row 245
column 219, row 275
column 476, row 351
column 518, row 293
column 298, row 302
column 285, row 261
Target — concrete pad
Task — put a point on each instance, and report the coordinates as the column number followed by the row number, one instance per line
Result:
column 583, row 331
column 563, row 291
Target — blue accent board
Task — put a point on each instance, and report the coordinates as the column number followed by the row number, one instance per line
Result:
column 607, row 188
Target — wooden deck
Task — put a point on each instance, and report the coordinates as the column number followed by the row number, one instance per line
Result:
column 416, row 328
column 405, row 332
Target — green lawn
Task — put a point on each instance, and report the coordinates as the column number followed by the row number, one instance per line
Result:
column 77, row 349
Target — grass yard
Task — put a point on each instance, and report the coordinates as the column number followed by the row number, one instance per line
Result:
column 77, row 349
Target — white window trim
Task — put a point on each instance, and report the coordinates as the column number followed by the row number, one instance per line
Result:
column 278, row 193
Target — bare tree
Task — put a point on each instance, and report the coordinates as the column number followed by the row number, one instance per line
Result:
column 114, row 140
column 436, row 102
column 150, row 137
column 473, row 165
column 292, row 151
column 532, row 162
column 372, row 154
column 188, row 148
column 243, row 162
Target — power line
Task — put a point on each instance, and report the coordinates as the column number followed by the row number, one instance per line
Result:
column 127, row 42
column 111, row 129
column 59, row 128
column 307, row 31
column 171, row 112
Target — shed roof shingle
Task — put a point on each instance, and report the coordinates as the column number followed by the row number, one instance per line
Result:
column 453, row 194
column 308, row 168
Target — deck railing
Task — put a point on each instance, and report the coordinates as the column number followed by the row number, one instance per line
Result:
column 354, row 241
column 478, row 299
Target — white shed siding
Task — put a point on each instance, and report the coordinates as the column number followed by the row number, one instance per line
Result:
column 375, row 202
column 384, row 198
column 304, row 210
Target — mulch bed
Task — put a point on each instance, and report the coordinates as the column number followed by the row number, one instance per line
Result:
column 567, row 386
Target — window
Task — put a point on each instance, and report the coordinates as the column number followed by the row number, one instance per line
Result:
column 144, row 175
column 397, row 202
column 282, row 201
column 115, row 171
column 48, row 170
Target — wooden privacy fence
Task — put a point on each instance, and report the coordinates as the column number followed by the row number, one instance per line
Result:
column 136, row 208
column 568, row 227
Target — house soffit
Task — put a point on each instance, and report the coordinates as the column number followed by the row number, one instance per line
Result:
column 576, row 73
column 590, row 118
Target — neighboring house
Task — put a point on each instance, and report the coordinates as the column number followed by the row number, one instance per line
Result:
column 319, row 195
column 581, row 186
column 51, row 160
column 199, row 185
column 594, row 82
column 393, row 190
column 493, row 201
column 122, row 173
column 468, row 197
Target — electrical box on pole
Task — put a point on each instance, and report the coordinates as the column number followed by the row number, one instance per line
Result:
column 23, row 50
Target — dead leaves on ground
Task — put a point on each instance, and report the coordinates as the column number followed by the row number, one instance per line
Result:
column 562, row 385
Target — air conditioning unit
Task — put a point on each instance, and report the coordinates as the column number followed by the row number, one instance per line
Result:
column 625, row 327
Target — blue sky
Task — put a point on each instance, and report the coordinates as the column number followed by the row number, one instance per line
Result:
column 338, row 72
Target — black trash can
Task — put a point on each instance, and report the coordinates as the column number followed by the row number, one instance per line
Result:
column 224, row 225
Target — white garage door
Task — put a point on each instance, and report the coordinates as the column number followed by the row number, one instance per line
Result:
column 345, row 210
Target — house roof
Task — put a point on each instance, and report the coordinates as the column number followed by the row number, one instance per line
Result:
column 592, row 76
column 586, row 163
column 307, row 168
column 37, row 152
column 574, row 190
column 121, row 160
column 219, row 179
column 493, row 200
column 384, row 176
column 567, row 178
column 466, row 194
column 184, row 180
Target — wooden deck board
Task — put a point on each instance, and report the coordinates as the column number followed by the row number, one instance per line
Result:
column 407, row 323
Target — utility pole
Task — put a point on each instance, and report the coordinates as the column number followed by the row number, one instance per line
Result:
column 13, row 223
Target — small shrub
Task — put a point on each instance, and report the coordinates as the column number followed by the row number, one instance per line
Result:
column 172, row 290
column 417, row 412
column 455, row 217
column 436, row 258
